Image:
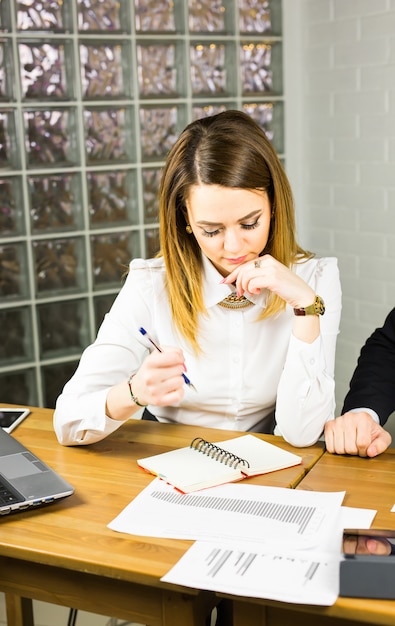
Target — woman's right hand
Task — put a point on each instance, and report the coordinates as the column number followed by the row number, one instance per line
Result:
column 159, row 380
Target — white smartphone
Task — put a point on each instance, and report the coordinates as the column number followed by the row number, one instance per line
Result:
column 10, row 418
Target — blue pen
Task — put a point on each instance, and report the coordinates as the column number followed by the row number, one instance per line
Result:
column 144, row 332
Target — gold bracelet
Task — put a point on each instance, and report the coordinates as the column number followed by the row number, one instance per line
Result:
column 135, row 400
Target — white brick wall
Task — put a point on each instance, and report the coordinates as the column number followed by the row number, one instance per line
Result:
column 343, row 165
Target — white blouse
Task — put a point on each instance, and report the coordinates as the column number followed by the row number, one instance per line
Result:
column 247, row 371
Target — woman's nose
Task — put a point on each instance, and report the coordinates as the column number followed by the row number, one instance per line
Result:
column 232, row 241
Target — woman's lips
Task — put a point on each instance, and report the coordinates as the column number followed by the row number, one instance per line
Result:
column 237, row 261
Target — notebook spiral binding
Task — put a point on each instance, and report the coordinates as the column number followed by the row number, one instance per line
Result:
column 217, row 453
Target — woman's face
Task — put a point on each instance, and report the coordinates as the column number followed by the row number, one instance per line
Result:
column 231, row 225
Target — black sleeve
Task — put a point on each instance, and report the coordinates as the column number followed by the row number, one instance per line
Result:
column 373, row 382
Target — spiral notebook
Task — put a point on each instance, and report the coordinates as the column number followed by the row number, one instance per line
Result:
column 205, row 464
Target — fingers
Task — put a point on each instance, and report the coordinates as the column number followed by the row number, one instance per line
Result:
column 272, row 275
column 340, row 437
column 232, row 277
column 251, row 278
column 247, row 277
column 380, row 546
column 348, row 434
column 357, row 434
column 381, row 441
column 159, row 381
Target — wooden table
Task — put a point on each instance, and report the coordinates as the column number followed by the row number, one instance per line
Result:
column 370, row 484
column 65, row 554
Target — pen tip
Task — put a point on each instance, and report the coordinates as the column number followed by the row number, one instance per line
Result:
column 142, row 330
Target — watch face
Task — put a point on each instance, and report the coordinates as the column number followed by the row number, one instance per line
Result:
column 320, row 306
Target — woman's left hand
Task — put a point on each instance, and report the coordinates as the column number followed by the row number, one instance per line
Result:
column 266, row 272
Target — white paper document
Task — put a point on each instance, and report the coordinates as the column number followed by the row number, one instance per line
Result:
column 357, row 518
column 300, row 519
column 252, row 570
column 250, row 540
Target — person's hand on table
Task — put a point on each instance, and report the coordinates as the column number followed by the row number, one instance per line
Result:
column 356, row 433
column 365, row 544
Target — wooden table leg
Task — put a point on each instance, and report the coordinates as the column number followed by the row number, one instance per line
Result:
column 186, row 609
column 19, row 611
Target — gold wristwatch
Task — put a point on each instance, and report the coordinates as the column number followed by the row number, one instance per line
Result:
column 317, row 308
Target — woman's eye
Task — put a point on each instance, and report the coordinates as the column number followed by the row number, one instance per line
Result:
column 250, row 226
column 210, row 233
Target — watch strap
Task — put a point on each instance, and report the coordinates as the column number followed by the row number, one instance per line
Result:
column 317, row 308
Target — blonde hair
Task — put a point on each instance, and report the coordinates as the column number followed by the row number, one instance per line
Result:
column 231, row 150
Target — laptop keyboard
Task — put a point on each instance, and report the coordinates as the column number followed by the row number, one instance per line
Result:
column 6, row 495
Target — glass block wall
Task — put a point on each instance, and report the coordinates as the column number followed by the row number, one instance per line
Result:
column 93, row 93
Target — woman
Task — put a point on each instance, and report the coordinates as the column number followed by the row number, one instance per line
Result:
column 232, row 302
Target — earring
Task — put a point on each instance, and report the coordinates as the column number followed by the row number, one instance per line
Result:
column 188, row 228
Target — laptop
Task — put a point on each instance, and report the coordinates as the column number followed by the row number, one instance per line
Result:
column 25, row 481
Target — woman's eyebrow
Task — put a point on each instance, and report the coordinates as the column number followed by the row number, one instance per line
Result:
column 242, row 219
